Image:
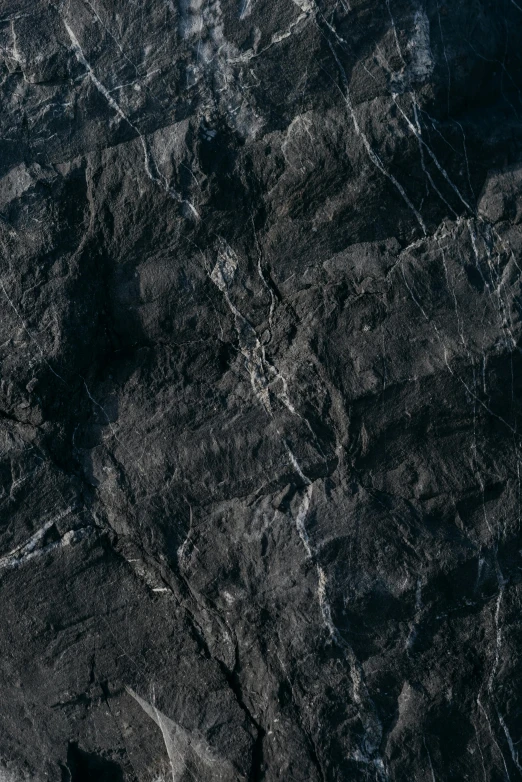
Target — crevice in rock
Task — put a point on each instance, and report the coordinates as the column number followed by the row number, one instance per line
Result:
column 256, row 771
column 84, row 766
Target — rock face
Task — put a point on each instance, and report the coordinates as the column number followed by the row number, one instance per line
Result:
column 261, row 390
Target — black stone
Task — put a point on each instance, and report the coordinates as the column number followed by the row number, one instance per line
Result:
column 260, row 390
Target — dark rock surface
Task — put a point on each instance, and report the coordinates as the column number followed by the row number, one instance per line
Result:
column 261, row 390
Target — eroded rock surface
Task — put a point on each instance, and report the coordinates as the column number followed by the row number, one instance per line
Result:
column 260, row 398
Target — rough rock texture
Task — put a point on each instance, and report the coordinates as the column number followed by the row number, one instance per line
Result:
column 261, row 390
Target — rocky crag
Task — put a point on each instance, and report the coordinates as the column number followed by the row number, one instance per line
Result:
column 260, row 398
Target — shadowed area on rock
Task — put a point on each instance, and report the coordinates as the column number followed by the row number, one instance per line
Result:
column 87, row 767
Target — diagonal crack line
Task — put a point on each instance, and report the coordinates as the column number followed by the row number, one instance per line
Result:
column 372, row 154
column 78, row 52
column 369, row 752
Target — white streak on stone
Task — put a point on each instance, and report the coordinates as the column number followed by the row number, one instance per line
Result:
column 201, row 24
column 305, row 5
column 394, row 28
column 179, row 743
column 31, row 549
column 300, row 519
column 369, row 752
column 418, row 134
column 77, row 49
column 244, row 9
column 514, row 753
column 481, row 707
column 297, row 467
column 377, row 162
column 261, row 371
column 17, row 57
column 498, row 637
